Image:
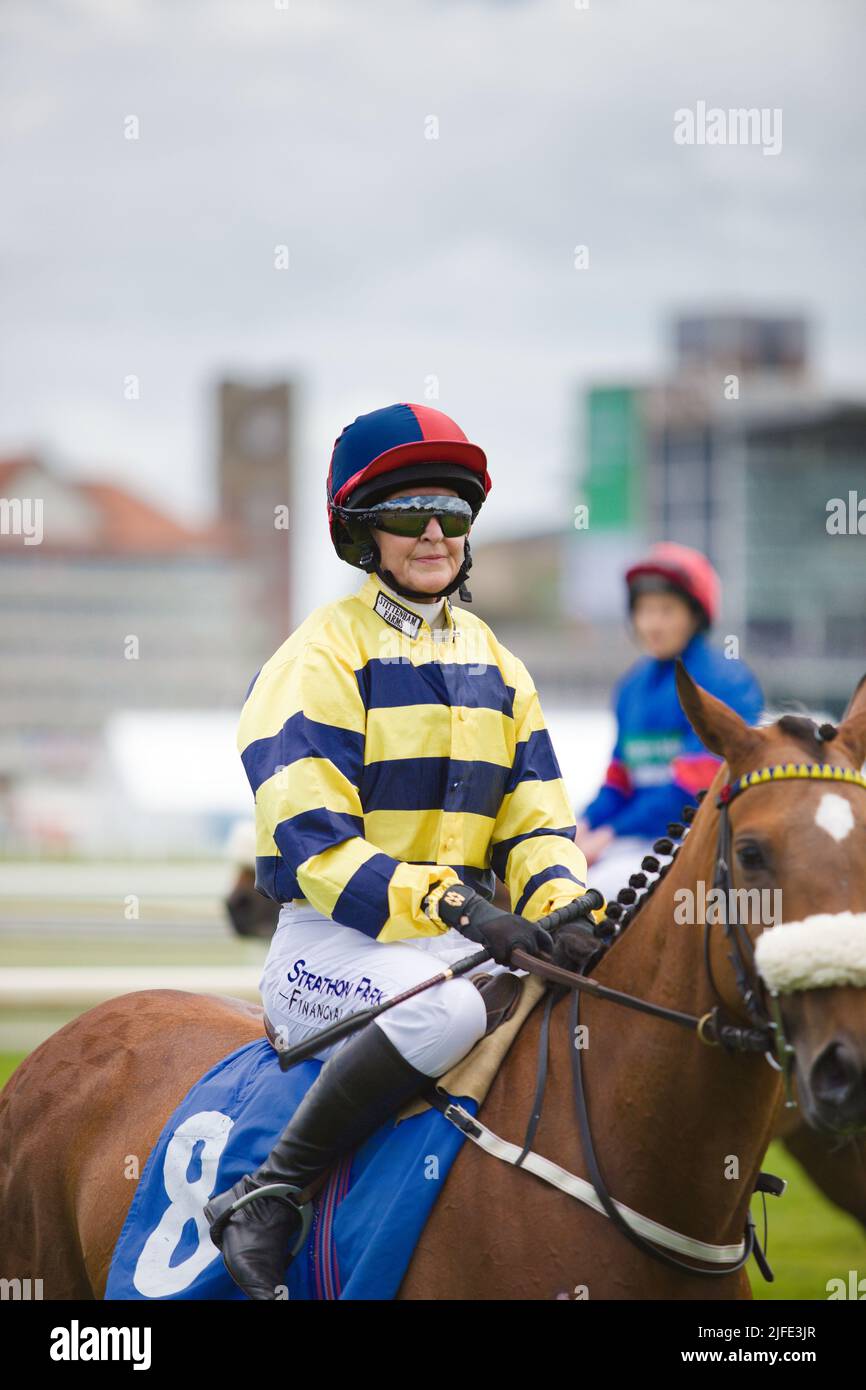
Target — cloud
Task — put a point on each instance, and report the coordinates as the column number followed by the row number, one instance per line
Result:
column 409, row 257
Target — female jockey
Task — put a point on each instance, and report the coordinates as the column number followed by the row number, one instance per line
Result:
column 398, row 756
column 658, row 761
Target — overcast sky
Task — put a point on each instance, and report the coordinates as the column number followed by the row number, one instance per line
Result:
column 409, row 257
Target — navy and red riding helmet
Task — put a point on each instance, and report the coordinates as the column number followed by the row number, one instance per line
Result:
column 393, row 448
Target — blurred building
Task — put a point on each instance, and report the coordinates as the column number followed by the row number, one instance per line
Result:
column 519, row 586
column 118, row 606
column 256, row 469
column 739, row 452
column 107, row 604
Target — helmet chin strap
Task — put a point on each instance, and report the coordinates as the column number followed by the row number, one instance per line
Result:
column 371, row 561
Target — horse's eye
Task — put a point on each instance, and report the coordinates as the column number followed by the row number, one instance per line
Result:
column 751, row 856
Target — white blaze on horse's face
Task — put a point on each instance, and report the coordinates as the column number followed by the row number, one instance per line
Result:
column 834, row 814
column 824, row 950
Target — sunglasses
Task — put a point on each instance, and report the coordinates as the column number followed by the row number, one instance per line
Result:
column 410, row 516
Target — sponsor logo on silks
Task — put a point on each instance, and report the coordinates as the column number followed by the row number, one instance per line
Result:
column 319, row 1009
column 648, row 757
column 337, row 987
column 398, row 616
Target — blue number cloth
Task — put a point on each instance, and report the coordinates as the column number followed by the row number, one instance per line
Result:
column 368, row 1216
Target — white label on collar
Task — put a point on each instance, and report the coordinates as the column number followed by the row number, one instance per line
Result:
column 398, row 616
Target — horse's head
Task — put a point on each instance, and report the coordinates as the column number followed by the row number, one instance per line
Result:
column 799, row 828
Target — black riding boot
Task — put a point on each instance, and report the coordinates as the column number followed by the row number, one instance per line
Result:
column 359, row 1086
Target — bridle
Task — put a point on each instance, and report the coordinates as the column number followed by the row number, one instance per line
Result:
column 761, row 1004
column 766, row 1033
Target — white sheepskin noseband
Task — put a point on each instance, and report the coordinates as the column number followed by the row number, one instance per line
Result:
column 826, row 949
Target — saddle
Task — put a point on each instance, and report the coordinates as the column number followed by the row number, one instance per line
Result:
column 501, row 994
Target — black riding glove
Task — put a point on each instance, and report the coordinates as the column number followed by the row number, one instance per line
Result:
column 500, row 932
column 576, row 947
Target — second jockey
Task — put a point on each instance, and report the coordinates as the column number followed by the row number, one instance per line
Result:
column 659, row 764
column 399, row 758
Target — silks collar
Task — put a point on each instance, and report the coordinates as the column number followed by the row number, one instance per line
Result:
column 397, row 612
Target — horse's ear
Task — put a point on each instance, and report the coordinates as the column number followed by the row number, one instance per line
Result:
column 852, row 729
column 857, row 703
column 719, row 728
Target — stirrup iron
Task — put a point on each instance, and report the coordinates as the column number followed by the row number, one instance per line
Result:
column 270, row 1189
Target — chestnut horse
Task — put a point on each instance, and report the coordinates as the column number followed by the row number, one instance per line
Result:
column 679, row 1128
column 837, row 1168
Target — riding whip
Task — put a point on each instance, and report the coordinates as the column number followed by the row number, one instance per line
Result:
column 589, row 902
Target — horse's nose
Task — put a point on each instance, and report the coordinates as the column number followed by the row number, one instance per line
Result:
column 838, row 1085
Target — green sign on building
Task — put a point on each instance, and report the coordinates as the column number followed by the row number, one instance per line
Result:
column 615, row 453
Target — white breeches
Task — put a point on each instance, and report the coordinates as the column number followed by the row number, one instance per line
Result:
column 318, row 972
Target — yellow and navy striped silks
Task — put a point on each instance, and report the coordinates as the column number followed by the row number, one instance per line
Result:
column 383, row 763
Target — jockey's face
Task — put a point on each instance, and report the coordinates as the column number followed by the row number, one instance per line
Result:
column 427, row 562
column 664, row 624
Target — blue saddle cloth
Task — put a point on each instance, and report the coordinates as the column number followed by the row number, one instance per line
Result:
column 368, row 1216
